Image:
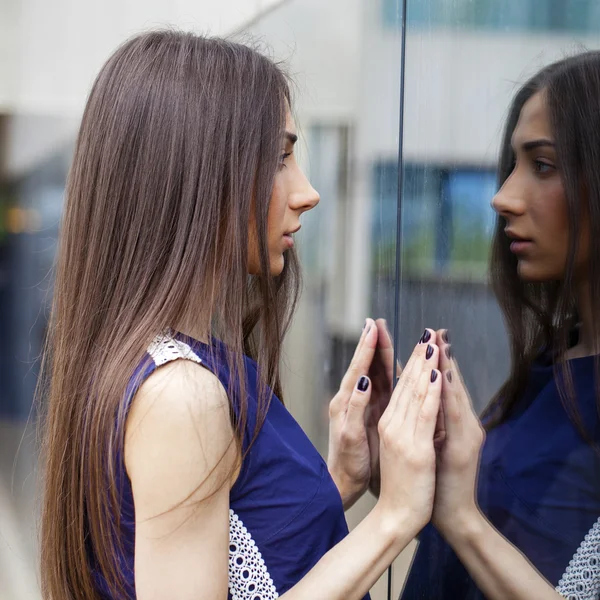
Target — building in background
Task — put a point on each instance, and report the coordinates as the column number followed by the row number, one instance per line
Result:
column 464, row 60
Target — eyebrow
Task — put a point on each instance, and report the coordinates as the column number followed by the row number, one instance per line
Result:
column 531, row 145
column 292, row 137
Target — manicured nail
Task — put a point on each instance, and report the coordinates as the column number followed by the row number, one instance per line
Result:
column 433, row 376
column 449, row 376
column 429, row 352
column 425, row 337
column 448, row 352
column 363, row 384
column 446, row 336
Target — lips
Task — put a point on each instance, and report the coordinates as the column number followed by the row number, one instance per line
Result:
column 519, row 244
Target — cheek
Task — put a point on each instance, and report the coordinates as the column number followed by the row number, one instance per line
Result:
column 277, row 206
column 552, row 217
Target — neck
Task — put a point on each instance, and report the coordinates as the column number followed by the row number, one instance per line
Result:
column 588, row 343
column 197, row 328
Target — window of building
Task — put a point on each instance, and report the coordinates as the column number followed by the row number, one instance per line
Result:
column 447, row 220
column 572, row 16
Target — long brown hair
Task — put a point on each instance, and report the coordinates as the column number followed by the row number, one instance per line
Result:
column 542, row 316
column 176, row 155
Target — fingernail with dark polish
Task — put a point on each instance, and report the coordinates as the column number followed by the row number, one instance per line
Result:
column 446, row 336
column 433, row 375
column 363, row 384
column 429, row 352
column 449, row 376
column 425, row 337
column 448, row 352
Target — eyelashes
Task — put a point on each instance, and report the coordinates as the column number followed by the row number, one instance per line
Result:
column 540, row 167
column 282, row 158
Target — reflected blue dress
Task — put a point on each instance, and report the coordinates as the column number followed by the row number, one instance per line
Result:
column 539, row 485
column 285, row 510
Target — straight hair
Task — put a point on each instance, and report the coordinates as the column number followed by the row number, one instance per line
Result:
column 542, row 316
column 176, row 154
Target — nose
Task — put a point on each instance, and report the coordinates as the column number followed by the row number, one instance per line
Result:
column 304, row 197
column 509, row 200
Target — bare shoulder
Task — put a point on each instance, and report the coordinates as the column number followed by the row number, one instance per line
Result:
column 178, row 437
column 179, row 389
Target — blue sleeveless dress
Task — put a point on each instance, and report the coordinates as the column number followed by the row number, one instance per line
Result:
column 285, row 510
column 539, row 485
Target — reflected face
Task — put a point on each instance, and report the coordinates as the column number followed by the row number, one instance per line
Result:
column 292, row 195
column 533, row 202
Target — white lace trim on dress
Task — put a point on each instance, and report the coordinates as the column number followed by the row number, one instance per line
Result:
column 248, row 575
column 165, row 348
column 581, row 580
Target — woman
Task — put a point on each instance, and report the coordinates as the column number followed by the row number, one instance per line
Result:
column 539, row 478
column 172, row 468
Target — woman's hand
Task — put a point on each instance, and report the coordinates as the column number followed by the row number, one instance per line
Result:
column 382, row 376
column 461, row 438
column 406, row 430
column 349, row 458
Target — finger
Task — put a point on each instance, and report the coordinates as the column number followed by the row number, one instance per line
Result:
column 449, row 363
column 427, row 358
column 416, row 357
column 363, row 356
column 355, row 416
column 443, row 340
column 385, row 345
column 452, row 410
column 414, row 400
column 439, row 436
column 425, row 425
column 409, row 376
column 463, row 396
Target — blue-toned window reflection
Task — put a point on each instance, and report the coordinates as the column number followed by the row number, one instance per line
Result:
column 528, row 15
column 447, row 220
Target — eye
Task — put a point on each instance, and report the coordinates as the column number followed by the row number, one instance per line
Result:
column 541, row 167
column 282, row 158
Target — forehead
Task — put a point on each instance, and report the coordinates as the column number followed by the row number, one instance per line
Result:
column 290, row 125
column 533, row 121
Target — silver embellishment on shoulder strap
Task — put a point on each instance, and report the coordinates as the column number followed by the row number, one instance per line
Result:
column 165, row 348
column 248, row 575
column 581, row 580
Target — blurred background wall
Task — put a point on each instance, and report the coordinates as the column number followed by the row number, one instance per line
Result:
column 464, row 60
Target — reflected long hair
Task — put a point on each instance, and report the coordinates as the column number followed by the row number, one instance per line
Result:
column 541, row 316
column 177, row 153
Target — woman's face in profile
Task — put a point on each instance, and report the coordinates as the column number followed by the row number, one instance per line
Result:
column 292, row 195
column 533, row 203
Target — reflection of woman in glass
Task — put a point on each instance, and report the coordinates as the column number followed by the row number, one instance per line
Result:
column 171, row 469
column 539, row 477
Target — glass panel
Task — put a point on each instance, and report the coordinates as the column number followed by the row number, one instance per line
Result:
column 567, row 16
column 465, row 60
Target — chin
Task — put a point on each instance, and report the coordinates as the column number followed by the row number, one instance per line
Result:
column 277, row 265
column 531, row 273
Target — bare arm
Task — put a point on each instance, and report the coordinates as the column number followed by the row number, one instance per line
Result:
column 180, row 456
column 497, row 567
column 181, row 449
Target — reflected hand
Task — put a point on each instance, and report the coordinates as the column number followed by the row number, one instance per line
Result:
column 458, row 450
column 382, row 378
column 349, row 459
